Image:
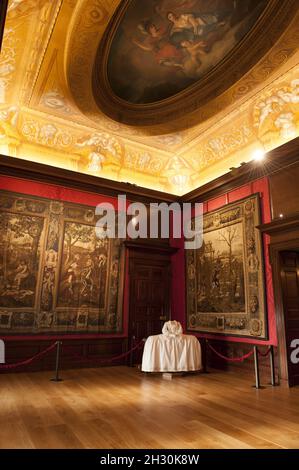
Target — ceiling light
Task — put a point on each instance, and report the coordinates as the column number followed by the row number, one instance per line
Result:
column 259, row 155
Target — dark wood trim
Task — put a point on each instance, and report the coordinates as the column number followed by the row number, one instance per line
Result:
column 25, row 169
column 150, row 246
column 3, row 11
column 285, row 229
column 279, row 158
column 75, row 353
column 280, row 225
column 274, row 252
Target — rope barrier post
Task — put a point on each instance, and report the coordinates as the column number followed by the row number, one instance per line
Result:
column 57, row 363
column 205, row 357
column 256, row 368
column 272, row 366
column 131, row 360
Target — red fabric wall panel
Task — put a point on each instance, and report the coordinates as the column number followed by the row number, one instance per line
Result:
column 214, row 204
column 205, row 207
column 240, row 193
column 51, row 191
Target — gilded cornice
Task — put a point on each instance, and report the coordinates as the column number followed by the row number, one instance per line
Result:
column 47, row 112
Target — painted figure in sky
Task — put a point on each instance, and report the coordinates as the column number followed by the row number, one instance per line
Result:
column 190, row 21
column 194, row 50
column 158, row 43
column 190, row 27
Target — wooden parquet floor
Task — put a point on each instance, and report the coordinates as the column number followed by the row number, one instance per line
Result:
column 119, row 407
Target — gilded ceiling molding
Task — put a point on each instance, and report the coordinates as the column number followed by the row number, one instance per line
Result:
column 9, row 116
column 276, row 113
column 245, row 113
column 7, row 62
column 50, row 94
column 217, row 147
column 55, row 100
column 95, row 150
column 22, row 8
column 87, row 26
column 48, row 11
column 47, row 134
column 260, row 109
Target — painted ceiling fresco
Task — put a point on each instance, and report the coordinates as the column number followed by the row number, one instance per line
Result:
column 48, row 114
column 163, row 46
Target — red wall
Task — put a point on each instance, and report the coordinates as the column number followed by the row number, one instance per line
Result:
column 61, row 193
column 260, row 186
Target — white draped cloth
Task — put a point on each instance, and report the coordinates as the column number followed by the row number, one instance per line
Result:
column 172, row 351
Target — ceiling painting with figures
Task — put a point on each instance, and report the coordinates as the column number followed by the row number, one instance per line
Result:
column 161, row 47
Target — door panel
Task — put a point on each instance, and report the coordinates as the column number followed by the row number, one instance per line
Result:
column 142, row 290
column 149, row 296
column 290, row 290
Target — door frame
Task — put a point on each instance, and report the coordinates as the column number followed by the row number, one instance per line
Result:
column 284, row 236
column 275, row 259
column 138, row 249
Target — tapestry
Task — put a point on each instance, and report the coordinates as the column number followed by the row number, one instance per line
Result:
column 225, row 277
column 56, row 275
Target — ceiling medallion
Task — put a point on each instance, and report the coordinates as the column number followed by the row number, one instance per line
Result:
column 161, row 59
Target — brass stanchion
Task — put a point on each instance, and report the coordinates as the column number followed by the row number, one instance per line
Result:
column 205, row 357
column 131, row 361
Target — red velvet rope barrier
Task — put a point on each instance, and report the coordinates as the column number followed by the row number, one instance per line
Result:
column 231, row 359
column 50, row 348
column 111, row 359
column 29, row 360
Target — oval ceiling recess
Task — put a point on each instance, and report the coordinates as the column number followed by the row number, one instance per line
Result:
column 161, row 59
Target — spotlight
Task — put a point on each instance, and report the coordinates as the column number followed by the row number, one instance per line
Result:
column 259, row 155
column 281, row 216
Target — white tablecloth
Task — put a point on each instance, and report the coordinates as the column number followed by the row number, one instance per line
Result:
column 171, row 353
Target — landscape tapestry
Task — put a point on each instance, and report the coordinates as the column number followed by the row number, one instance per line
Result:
column 56, row 276
column 225, row 278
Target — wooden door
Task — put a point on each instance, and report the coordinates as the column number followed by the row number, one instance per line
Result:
column 290, row 291
column 149, row 296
